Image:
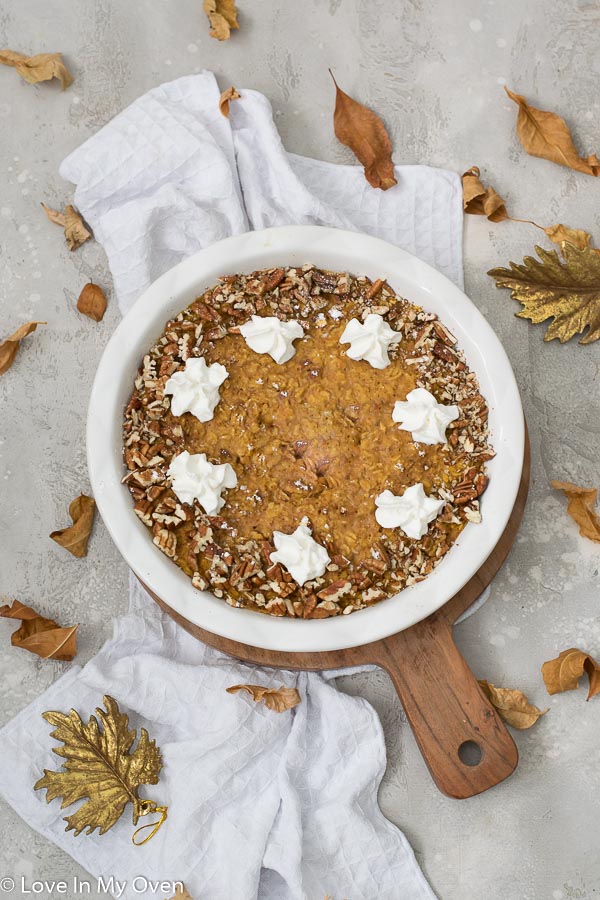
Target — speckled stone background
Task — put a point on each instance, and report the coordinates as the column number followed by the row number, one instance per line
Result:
column 435, row 70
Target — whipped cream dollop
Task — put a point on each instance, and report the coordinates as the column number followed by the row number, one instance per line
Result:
column 193, row 477
column 300, row 554
column 195, row 388
column 411, row 512
column 370, row 340
column 268, row 334
column 424, row 417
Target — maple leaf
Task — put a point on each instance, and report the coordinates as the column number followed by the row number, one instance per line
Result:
column 99, row 767
column 565, row 290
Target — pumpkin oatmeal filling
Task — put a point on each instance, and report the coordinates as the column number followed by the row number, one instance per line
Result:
column 321, row 457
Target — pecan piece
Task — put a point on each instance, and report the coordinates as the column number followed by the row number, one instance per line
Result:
column 143, row 510
column 335, row 590
column 165, row 541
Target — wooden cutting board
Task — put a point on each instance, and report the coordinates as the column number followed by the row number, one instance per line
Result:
column 463, row 740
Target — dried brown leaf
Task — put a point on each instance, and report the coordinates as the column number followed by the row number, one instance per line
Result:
column 580, row 506
column 226, row 98
column 181, row 893
column 75, row 537
column 479, row 200
column 278, row 699
column 42, row 67
column 76, row 233
column 222, row 15
column 546, row 135
column 565, row 290
column 39, row 635
column 364, row 133
column 563, row 673
column 512, row 705
column 559, row 234
column 10, row 347
column 92, row 302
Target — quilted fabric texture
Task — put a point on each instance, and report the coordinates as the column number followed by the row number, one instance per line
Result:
column 276, row 807
column 170, row 175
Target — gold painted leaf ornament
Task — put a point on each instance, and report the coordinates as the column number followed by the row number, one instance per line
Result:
column 566, row 290
column 101, row 767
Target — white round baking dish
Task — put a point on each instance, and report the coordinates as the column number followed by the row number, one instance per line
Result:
column 340, row 251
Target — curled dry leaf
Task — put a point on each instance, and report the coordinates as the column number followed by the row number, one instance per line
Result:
column 512, row 705
column 563, row 673
column 364, row 133
column 581, row 508
column 546, row 135
column 75, row 538
column 76, row 233
column 39, row 635
column 479, row 200
column 42, row 67
column 278, row 699
column 222, row 15
column 10, row 347
column 564, row 290
column 226, row 98
column 560, row 234
column 181, row 893
column 92, row 302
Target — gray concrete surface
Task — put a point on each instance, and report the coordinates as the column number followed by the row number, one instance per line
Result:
column 435, row 70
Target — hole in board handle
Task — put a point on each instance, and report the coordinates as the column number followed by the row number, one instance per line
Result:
column 470, row 753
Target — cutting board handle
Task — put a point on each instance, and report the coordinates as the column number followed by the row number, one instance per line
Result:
column 463, row 741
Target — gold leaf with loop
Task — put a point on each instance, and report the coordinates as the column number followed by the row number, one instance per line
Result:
column 101, row 768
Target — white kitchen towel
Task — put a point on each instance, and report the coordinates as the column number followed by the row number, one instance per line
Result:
column 170, row 175
column 261, row 805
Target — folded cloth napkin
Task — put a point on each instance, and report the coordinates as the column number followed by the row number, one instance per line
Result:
column 261, row 805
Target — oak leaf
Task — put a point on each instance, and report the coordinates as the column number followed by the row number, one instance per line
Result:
column 10, row 347
column 277, row 699
column 580, row 506
column 75, row 537
column 76, row 233
column 226, row 98
column 563, row 673
column 546, row 135
column 565, row 290
column 100, row 767
column 479, row 200
column 222, row 15
column 39, row 635
column 42, row 67
column 92, row 302
column 364, row 133
column 512, row 705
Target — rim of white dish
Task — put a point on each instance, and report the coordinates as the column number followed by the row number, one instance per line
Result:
column 337, row 250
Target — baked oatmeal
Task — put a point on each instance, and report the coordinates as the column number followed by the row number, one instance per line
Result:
column 305, row 443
